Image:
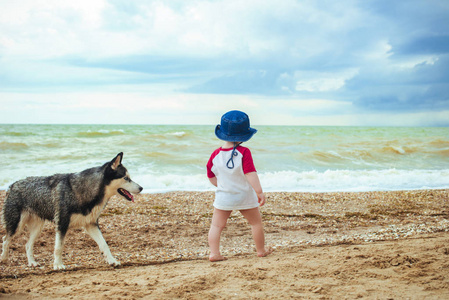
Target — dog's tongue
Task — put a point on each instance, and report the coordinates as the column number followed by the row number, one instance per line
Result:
column 130, row 196
column 127, row 194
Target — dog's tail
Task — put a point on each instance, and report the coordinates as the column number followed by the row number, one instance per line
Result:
column 11, row 212
column 2, row 218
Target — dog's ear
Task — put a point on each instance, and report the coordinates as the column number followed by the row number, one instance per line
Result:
column 117, row 161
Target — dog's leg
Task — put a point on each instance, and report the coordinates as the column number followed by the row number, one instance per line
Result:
column 59, row 242
column 5, row 247
column 14, row 225
column 35, row 226
column 95, row 233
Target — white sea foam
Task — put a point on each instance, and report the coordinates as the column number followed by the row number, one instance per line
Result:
column 159, row 183
column 177, row 133
column 355, row 180
column 311, row 181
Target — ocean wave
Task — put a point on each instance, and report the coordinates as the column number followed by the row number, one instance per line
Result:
column 101, row 132
column 177, row 133
column 444, row 152
column 156, row 183
column 157, row 154
column 17, row 133
column 168, row 135
column 392, row 156
column 439, row 143
column 50, row 144
column 13, row 146
column 354, row 180
column 311, row 181
column 396, row 150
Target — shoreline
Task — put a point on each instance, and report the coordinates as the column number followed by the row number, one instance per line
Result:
column 148, row 191
column 162, row 192
column 168, row 231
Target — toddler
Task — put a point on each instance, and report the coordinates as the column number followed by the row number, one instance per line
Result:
column 231, row 169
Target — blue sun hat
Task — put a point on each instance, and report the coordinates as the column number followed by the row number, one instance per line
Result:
column 234, row 127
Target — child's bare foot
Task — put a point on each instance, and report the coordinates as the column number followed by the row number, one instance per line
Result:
column 266, row 252
column 216, row 257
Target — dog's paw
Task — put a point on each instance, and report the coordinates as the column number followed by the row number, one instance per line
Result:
column 33, row 264
column 4, row 257
column 114, row 262
column 59, row 267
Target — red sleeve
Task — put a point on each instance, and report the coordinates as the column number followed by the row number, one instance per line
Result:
column 247, row 161
column 209, row 165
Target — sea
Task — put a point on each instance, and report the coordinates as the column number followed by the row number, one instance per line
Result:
column 164, row 158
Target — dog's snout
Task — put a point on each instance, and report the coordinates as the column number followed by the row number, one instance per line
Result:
column 140, row 189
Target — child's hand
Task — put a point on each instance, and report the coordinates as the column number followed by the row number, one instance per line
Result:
column 253, row 179
column 261, row 199
column 213, row 180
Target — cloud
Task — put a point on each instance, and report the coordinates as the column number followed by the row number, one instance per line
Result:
column 426, row 45
column 371, row 56
column 422, row 86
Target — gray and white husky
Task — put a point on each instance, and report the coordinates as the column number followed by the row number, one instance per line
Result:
column 69, row 200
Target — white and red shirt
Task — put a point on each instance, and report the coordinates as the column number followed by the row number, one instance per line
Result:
column 234, row 192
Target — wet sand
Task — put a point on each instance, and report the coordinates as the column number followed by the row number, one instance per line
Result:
column 327, row 245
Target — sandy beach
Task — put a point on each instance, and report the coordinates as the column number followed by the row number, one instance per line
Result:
column 327, row 246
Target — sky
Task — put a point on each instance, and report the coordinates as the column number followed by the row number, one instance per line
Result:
column 284, row 62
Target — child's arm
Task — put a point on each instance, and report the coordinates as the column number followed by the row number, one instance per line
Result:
column 213, row 180
column 253, row 179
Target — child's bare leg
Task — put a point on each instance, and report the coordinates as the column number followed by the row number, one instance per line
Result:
column 217, row 225
column 255, row 219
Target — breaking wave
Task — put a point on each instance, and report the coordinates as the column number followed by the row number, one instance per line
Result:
column 311, row 181
column 101, row 132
